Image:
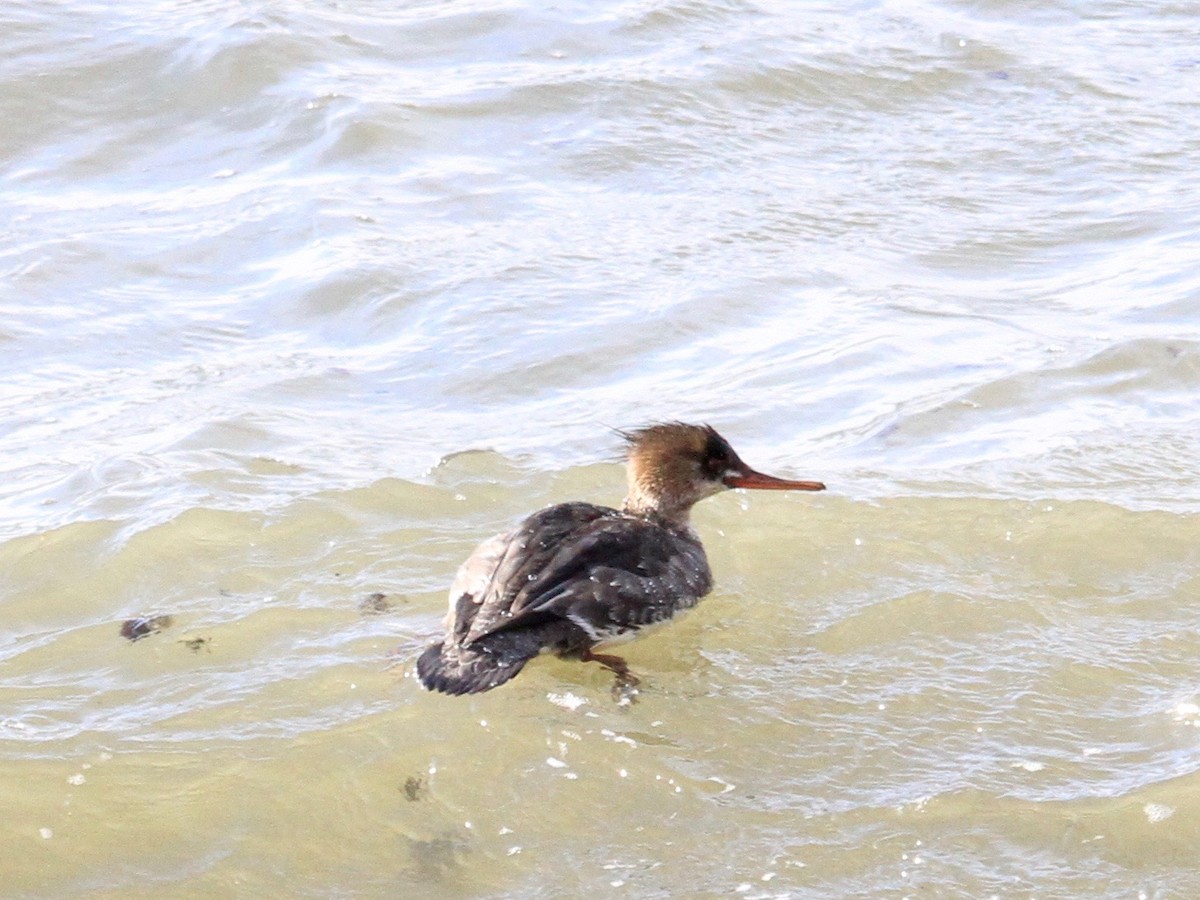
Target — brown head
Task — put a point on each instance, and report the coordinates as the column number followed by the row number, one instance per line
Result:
column 672, row 466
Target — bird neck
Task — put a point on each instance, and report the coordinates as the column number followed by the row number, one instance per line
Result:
column 649, row 505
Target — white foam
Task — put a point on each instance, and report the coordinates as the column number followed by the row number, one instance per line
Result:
column 566, row 701
column 1157, row 812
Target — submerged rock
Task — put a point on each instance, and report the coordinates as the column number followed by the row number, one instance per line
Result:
column 143, row 626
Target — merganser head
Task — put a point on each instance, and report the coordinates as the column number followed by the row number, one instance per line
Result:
column 672, row 466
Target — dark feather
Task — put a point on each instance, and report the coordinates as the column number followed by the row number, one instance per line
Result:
column 612, row 571
column 569, row 577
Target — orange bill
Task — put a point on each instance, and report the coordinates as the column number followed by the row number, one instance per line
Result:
column 748, row 478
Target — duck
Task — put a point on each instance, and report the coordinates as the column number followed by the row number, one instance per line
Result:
column 576, row 578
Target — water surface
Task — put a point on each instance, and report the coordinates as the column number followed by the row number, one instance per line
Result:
column 300, row 303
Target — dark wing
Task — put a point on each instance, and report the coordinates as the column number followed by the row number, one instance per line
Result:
column 487, row 583
column 604, row 572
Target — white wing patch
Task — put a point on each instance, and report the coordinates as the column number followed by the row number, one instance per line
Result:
column 475, row 574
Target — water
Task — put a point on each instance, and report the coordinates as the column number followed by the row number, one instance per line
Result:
column 300, row 302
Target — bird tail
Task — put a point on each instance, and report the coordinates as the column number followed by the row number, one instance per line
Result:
column 455, row 669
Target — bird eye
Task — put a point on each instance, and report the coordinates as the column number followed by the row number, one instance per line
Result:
column 714, row 465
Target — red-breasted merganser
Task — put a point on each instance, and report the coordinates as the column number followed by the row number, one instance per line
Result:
column 576, row 576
